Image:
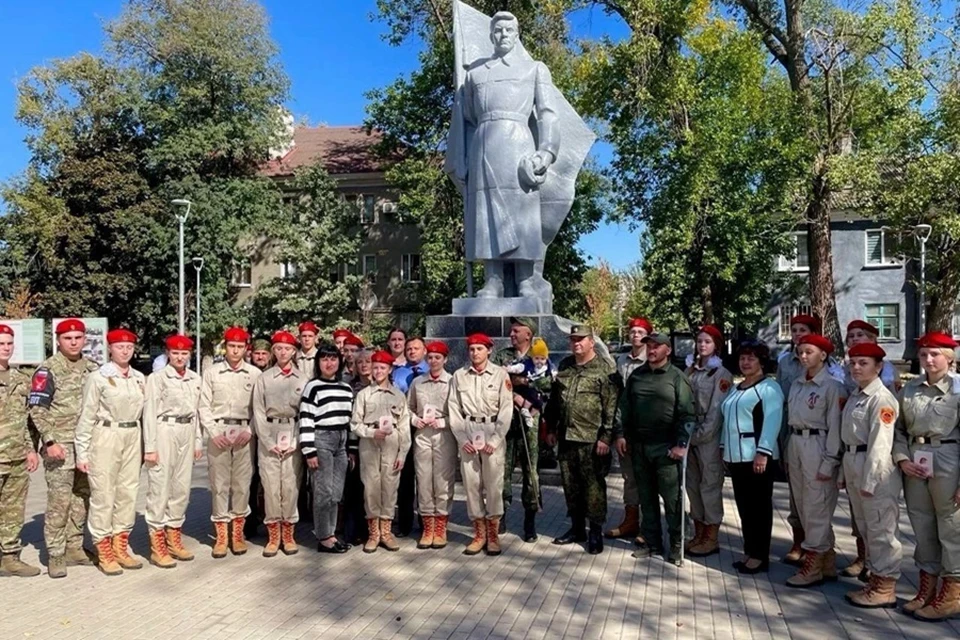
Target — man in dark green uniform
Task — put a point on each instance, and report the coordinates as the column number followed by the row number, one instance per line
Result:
column 580, row 415
column 655, row 418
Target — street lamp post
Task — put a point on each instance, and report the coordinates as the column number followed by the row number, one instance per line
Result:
column 181, row 202
column 922, row 232
column 198, row 265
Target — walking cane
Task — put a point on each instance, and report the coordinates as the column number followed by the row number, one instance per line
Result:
column 683, row 507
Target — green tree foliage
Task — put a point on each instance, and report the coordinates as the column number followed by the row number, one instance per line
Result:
column 184, row 103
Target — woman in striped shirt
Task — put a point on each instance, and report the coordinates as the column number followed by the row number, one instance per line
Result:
column 325, row 410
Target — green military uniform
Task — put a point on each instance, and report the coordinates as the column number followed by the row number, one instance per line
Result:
column 55, row 401
column 657, row 412
column 522, row 444
column 580, row 412
column 14, row 445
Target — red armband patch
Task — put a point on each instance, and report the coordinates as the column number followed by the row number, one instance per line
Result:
column 724, row 385
column 887, row 416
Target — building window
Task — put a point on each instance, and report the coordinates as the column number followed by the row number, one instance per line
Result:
column 886, row 318
column 882, row 248
column 788, row 311
column 288, row 269
column 955, row 323
column 410, row 267
column 240, row 275
column 370, row 267
column 368, row 209
column 799, row 257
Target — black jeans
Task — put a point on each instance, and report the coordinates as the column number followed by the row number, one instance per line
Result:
column 407, row 495
column 754, row 495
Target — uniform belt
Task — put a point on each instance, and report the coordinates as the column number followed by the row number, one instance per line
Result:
column 280, row 420
column 932, row 440
column 854, row 448
column 481, row 419
column 233, row 421
column 176, row 419
column 803, row 430
column 119, row 425
column 490, row 116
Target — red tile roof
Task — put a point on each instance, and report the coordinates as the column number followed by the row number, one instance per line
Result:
column 340, row 150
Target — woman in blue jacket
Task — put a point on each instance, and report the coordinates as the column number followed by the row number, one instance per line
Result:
column 752, row 415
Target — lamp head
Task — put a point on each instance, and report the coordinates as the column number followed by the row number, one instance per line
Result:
column 197, row 263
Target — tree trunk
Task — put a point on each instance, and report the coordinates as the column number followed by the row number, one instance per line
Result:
column 822, row 295
column 944, row 301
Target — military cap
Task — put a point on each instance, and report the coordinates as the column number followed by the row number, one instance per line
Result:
column 236, row 334
column 283, row 337
column 353, row 340
column 178, row 343
column 307, row 325
column 341, row 333
column 818, row 341
column 71, row 324
column 641, row 323
column 5, row 329
column 656, row 338
column 713, row 332
column 808, row 320
column 480, row 338
column 863, row 325
column 383, row 357
column 867, row 350
column 438, row 347
column 936, row 340
column 260, row 344
column 121, row 335
column 524, row 321
column 581, row 331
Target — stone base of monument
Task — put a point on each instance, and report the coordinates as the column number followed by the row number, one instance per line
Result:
column 454, row 329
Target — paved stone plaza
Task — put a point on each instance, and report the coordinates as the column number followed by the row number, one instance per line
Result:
column 532, row 590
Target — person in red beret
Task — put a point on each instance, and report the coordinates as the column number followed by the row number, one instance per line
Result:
column 225, row 412
column 710, row 382
column 171, row 443
column 381, row 421
column 340, row 337
column 927, row 450
column 479, row 410
column 276, row 402
column 307, row 333
column 18, row 456
column 870, row 475
column 434, row 447
column 352, row 344
column 638, row 329
column 108, row 451
column 54, row 404
column 813, row 455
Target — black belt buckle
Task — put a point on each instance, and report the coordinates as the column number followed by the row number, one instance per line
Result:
column 279, row 420
column 234, row 422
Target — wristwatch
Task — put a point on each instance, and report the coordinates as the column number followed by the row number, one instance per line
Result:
column 49, row 443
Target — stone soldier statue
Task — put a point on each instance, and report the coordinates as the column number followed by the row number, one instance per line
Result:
column 56, row 393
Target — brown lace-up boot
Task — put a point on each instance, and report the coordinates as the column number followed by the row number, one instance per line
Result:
column 387, row 541
column 630, row 525
column 287, row 540
column 945, row 606
column 429, row 531
column 811, row 573
column 479, row 538
column 220, row 545
column 175, row 545
column 159, row 553
column 373, row 541
column 440, row 532
column 493, row 536
column 709, row 543
column 855, row 568
column 121, row 551
column 880, row 593
column 106, row 561
column 925, row 593
column 273, row 540
column 238, row 544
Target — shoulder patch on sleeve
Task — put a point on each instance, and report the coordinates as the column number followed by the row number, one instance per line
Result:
column 42, row 388
column 724, row 385
column 508, row 384
column 887, row 416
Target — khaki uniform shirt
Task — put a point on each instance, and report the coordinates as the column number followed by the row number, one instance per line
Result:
column 485, row 394
column 277, row 396
column 374, row 402
column 226, row 394
column 15, row 440
column 818, row 404
column 926, row 411
column 710, row 387
column 868, row 419
column 305, row 362
column 170, row 395
column 627, row 363
column 426, row 390
column 56, row 396
column 109, row 396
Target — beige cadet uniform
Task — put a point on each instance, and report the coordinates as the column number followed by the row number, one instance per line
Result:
column 225, row 401
column 928, row 422
column 626, row 364
column 705, row 464
column 306, row 363
column 276, row 403
column 434, row 448
column 171, row 430
column 108, row 439
column 481, row 401
column 814, row 410
column 378, row 457
column 867, row 434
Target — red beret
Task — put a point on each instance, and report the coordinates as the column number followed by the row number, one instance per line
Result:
column 642, row 323
column 383, row 357
column 353, row 340
column 866, row 350
column 864, row 325
column 341, row 333
column 308, row 325
column 480, row 338
column 808, row 320
column 236, row 334
column 179, row 343
column 121, row 335
column 71, row 324
column 4, row 329
column 438, row 347
column 936, row 340
column 818, row 341
column 714, row 333
column 283, row 337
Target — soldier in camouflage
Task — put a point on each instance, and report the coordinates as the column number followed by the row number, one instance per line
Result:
column 17, row 459
column 56, row 394
column 579, row 414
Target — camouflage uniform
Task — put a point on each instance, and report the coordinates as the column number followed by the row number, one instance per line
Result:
column 15, row 443
column 522, row 427
column 580, row 412
column 55, row 401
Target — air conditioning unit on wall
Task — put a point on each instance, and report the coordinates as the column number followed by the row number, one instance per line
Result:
column 388, row 207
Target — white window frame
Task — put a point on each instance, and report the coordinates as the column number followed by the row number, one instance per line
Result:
column 369, row 274
column 288, row 269
column 790, row 264
column 879, row 324
column 362, row 200
column 885, row 260
column 241, row 274
column 955, row 322
column 406, row 267
column 783, row 320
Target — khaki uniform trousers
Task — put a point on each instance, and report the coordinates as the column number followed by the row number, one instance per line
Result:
column 380, row 480
column 877, row 517
column 705, row 482
column 435, row 458
column 281, row 478
column 934, row 516
column 14, row 481
column 115, row 459
column 231, row 471
column 168, row 481
column 483, row 481
column 68, row 498
column 816, row 500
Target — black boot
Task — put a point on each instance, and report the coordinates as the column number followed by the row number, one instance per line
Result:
column 530, row 526
column 577, row 532
column 595, row 542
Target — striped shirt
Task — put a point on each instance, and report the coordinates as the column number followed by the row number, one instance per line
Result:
column 326, row 405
